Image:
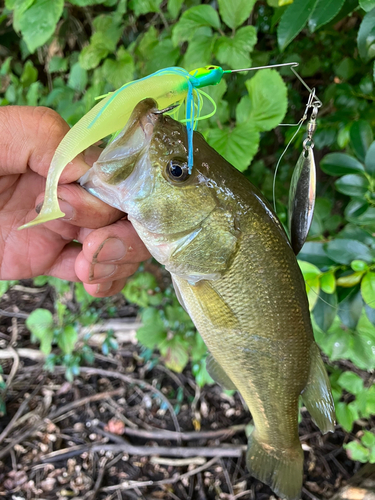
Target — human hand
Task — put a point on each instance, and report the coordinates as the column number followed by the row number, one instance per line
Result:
column 93, row 243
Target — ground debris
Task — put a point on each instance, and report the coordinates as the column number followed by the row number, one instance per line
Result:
column 121, row 431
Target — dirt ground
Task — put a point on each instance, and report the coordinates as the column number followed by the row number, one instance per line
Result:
column 127, row 428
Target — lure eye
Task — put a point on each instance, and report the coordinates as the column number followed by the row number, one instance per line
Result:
column 177, row 170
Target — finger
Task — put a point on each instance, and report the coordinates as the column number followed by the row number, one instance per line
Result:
column 91, row 273
column 118, row 243
column 105, row 289
column 29, row 137
column 82, row 208
column 64, row 265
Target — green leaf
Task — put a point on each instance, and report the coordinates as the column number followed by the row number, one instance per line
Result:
column 370, row 160
column 340, row 164
column 153, row 333
column 174, row 7
column 366, row 36
column 346, row 416
column 141, row 7
column 350, row 280
column 175, row 353
column 359, row 265
column 238, row 145
column 353, row 185
column 40, row 323
column 367, row 5
column 5, row 285
column 235, row 51
column 67, row 339
column 235, row 12
column 328, row 282
column 324, row 11
column 311, row 275
column 368, row 439
column 361, row 137
column 77, row 78
column 57, row 63
column 325, row 310
column 85, row 3
column 344, row 251
column 37, row 22
column 121, row 71
column 351, row 382
column 356, row 451
column 351, row 307
column 29, row 74
column 293, row 21
column 107, row 33
column 162, row 55
column 191, row 20
column 199, row 51
column 313, row 252
column 91, row 55
column 368, row 289
column 268, row 96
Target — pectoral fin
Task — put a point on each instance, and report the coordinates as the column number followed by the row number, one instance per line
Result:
column 218, row 374
column 317, row 395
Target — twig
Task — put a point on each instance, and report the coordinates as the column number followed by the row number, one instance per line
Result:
column 26, row 289
column 18, row 413
column 33, row 354
column 13, row 370
column 229, row 451
column 227, row 479
column 9, row 314
column 185, row 436
column 84, row 401
column 91, row 495
column 130, row 380
column 309, row 494
column 128, row 485
column 51, row 416
column 178, row 462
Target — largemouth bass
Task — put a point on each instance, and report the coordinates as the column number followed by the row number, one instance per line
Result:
column 234, row 272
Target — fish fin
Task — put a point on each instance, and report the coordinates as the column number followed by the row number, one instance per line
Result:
column 218, row 374
column 281, row 470
column 214, row 307
column 208, row 251
column 178, row 294
column 317, row 395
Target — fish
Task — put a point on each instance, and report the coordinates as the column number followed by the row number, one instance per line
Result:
column 234, row 272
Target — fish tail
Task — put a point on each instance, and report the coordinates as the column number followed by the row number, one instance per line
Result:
column 280, row 469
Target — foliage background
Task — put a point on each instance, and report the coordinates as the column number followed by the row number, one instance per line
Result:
column 64, row 54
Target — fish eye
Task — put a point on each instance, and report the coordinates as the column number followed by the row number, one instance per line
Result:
column 177, row 170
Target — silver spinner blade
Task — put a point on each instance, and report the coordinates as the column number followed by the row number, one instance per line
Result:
column 302, row 199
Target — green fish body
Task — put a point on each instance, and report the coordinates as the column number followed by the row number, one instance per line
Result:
column 234, row 272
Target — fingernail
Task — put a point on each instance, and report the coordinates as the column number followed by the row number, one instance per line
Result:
column 67, row 209
column 103, row 270
column 112, row 249
column 104, row 287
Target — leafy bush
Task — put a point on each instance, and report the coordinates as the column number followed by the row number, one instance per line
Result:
column 81, row 49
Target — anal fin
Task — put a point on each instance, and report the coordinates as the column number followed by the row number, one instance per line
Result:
column 317, row 395
column 218, row 374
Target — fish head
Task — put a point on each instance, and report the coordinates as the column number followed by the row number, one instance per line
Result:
column 144, row 172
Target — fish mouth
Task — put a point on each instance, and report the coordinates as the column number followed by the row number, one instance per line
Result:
column 148, row 115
